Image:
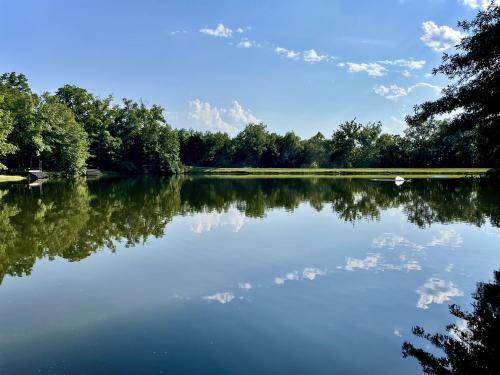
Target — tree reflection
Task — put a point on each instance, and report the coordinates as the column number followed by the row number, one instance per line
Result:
column 73, row 219
column 469, row 347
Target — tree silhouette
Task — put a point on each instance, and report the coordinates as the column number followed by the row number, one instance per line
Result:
column 470, row 348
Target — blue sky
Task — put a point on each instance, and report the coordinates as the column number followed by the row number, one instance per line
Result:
column 214, row 65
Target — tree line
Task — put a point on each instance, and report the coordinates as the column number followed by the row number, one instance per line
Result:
column 71, row 129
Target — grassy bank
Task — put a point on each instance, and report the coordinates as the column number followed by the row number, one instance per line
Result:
column 365, row 172
column 6, row 178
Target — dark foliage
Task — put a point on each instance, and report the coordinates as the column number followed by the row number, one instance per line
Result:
column 473, row 348
column 475, row 89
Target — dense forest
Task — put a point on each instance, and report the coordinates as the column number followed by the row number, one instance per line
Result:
column 73, row 129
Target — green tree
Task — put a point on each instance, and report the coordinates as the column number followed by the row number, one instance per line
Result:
column 6, row 126
column 146, row 142
column 250, row 145
column 474, row 93
column 65, row 140
column 96, row 115
column 21, row 105
column 343, row 143
column 315, row 151
column 291, row 150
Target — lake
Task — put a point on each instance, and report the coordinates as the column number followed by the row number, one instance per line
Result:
column 236, row 275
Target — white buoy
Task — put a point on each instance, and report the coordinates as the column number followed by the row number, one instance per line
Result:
column 399, row 180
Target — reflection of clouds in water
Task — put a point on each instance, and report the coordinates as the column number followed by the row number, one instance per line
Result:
column 447, row 237
column 309, row 273
column 436, row 291
column 245, row 286
column 206, row 221
column 223, row 298
column 371, row 261
column 412, row 265
column 391, row 241
column 460, row 328
column 449, row 267
column 374, row 261
column 279, row 280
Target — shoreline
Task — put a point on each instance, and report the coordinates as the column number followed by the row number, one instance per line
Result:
column 362, row 172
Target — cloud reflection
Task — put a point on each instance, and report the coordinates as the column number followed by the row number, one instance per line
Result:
column 245, row 286
column 447, row 237
column 436, row 291
column 308, row 273
column 223, row 298
column 206, row 221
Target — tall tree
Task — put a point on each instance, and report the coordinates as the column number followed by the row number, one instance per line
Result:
column 250, row 145
column 6, row 126
column 22, row 104
column 96, row 115
column 66, row 143
column 474, row 93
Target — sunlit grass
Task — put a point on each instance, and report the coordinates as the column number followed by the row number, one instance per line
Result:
column 364, row 172
column 5, row 178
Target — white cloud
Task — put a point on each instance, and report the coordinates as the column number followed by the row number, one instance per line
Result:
column 206, row 221
column 474, row 4
column 245, row 43
column 439, row 38
column 220, row 31
column 390, row 92
column 238, row 115
column 393, row 92
column 221, row 119
column 312, row 56
column 411, row 63
column 436, row 291
column 397, row 333
column 288, row 53
column 447, row 237
column 223, row 298
column 373, row 69
column 240, row 30
column 436, row 89
column 175, row 32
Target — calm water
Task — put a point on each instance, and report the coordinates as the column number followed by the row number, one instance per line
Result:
column 235, row 275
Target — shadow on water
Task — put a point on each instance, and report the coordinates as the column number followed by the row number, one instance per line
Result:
column 73, row 219
column 471, row 346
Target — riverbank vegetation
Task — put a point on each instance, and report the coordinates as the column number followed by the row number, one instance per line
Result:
column 72, row 129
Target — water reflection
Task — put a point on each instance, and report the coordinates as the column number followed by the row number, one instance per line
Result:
column 74, row 219
column 472, row 344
